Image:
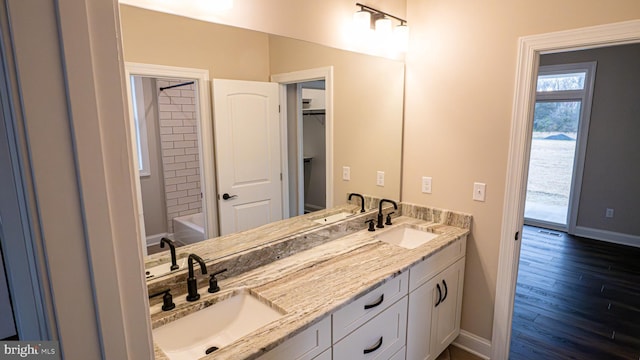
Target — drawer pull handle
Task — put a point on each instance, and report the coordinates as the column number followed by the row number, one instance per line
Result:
column 370, row 306
column 374, row 347
column 446, row 291
column 439, row 295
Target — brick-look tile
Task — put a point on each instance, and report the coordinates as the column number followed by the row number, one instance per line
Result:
column 172, row 137
column 185, row 159
column 175, row 166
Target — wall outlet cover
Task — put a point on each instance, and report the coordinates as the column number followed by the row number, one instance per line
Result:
column 426, row 184
column 380, row 178
column 346, row 173
column 608, row 213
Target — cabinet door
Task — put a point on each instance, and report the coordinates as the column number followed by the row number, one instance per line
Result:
column 445, row 325
column 434, row 313
column 421, row 309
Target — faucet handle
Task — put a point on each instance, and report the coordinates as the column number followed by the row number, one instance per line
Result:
column 167, row 299
column 371, row 226
column 213, row 282
column 388, row 221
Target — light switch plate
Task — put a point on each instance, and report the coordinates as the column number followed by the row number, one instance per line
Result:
column 479, row 190
column 346, row 173
column 380, row 178
column 426, row 184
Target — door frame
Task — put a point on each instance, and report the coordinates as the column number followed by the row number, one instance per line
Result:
column 205, row 129
column 284, row 79
column 529, row 50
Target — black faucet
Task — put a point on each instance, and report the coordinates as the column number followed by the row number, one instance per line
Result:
column 361, row 200
column 395, row 206
column 172, row 249
column 192, row 284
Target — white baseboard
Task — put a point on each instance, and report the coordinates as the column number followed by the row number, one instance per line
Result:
column 609, row 236
column 473, row 344
column 155, row 239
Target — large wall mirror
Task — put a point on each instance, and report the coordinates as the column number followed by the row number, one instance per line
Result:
column 367, row 112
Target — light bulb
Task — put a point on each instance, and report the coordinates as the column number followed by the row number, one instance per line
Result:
column 383, row 27
column 401, row 37
column 362, row 20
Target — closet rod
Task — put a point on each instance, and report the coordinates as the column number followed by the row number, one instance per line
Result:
column 177, row 85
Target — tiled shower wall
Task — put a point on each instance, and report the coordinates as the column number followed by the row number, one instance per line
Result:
column 179, row 146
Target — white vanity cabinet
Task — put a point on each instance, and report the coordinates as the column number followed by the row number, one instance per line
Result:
column 435, row 302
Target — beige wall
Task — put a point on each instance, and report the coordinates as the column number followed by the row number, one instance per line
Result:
column 613, row 147
column 323, row 22
column 228, row 53
column 367, row 112
column 459, row 94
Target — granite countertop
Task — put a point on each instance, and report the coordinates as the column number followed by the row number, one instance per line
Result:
column 314, row 283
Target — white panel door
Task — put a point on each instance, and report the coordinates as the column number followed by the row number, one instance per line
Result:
column 247, row 146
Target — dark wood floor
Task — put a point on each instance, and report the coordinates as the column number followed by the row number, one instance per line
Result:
column 576, row 298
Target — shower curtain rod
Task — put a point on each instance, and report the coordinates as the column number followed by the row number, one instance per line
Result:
column 177, row 85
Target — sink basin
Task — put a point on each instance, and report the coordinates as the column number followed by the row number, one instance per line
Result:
column 164, row 269
column 214, row 327
column 333, row 218
column 406, row 237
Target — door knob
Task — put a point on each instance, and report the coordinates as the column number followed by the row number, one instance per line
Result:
column 226, row 196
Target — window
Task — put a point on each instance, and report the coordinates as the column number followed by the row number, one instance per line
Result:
column 139, row 116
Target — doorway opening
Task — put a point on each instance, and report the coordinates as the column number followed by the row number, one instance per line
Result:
column 307, row 119
column 169, row 112
column 558, row 142
column 314, row 165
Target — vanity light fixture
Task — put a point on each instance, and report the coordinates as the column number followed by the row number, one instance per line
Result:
column 368, row 18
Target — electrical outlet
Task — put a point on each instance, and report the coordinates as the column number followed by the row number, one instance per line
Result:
column 426, row 185
column 380, row 178
column 608, row 213
column 479, row 190
column 346, row 173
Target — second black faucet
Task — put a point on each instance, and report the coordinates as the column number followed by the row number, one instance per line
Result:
column 380, row 216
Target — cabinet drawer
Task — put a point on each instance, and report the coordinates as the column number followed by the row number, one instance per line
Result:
column 306, row 345
column 425, row 270
column 380, row 338
column 369, row 305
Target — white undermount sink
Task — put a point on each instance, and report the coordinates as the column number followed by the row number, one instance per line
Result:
column 333, row 218
column 214, row 327
column 406, row 237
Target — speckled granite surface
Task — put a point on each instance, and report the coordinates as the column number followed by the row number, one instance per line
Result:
column 317, row 281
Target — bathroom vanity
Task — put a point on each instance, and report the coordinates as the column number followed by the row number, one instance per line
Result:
column 359, row 295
